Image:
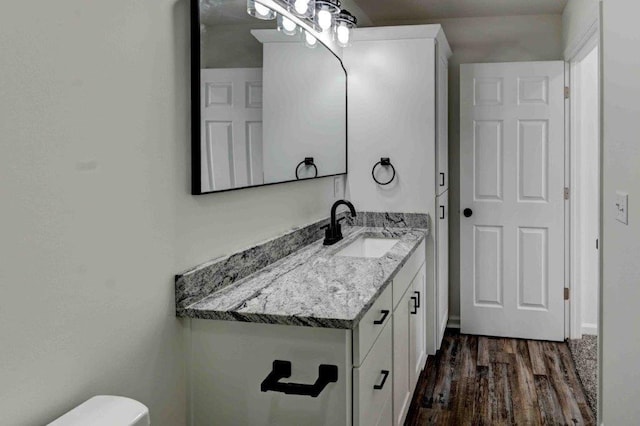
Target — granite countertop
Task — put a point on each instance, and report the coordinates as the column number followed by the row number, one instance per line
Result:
column 312, row 286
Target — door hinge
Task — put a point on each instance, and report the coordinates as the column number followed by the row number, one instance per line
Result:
column 566, row 193
column 566, row 294
column 567, row 92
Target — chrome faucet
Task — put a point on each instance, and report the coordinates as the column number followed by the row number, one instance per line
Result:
column 333, row 232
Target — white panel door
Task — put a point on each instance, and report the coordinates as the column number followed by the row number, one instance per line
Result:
column 231, row 105
column 442, row 268
column 512, row 182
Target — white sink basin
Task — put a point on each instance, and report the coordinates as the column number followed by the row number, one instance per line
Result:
column 368, row 247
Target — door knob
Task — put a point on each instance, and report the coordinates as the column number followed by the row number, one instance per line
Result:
column 467, row 212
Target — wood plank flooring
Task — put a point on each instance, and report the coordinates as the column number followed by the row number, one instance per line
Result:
column 476, row 380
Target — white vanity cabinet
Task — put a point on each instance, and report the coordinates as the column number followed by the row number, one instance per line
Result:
column 417, row 323
column 230, row 362
column 441, row 228
column 401, row 368
column 409, row 354
column 441, row 224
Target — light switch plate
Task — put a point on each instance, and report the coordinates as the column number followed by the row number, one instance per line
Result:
column 622, row 204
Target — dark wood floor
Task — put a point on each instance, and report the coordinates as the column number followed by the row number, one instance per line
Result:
column 476, row 380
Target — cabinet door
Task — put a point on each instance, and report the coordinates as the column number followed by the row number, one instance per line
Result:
column 442, row 268
column 229, row 360
column 386, row 416
column 442, row 136
column 401, row 367
column 417, row 324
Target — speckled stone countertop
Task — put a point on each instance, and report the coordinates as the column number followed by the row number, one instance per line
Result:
column 313, row 287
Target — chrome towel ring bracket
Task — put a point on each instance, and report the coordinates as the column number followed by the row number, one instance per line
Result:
column 308, row 162
column 384, row 162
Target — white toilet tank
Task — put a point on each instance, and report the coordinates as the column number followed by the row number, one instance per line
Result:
column 105, row 410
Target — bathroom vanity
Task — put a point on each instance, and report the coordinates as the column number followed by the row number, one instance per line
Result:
column 293, row 332
column 328, row 335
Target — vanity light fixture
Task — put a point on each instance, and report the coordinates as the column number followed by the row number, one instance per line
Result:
column 311, row 16
column 310, row 40
column 326, row 10
column 286, row 25
column 304, row 8
column 260, row 11
column 345, row 22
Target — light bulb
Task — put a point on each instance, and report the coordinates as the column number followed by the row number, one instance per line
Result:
column 288, row 26
column 301, row 6
column 262, row 10
column 309, row 39
column 324, row 19
column 343, row 35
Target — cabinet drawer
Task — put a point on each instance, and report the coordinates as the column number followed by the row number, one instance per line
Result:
column 370, row 326
column 404, row 277
column 373, row 382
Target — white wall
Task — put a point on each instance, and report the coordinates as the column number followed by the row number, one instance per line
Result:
column 311, row 125
column 621, row 243
column 475, row 40
column 390, row 118
column 96, row 211
column 577, row 18
column 241, row 49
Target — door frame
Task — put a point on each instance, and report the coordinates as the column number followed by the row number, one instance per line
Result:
column 590, row 36
column 573, row 55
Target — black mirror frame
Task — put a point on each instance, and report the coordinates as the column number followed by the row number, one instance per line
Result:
column 196, row 114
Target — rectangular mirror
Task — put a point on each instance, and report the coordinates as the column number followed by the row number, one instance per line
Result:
column 266, row 107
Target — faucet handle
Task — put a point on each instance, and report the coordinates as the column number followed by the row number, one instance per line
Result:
column 341, row 219
column 328, row 232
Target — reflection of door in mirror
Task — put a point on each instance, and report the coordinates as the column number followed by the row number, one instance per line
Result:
column 231, row 128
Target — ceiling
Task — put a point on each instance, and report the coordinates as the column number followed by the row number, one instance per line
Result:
column 387, row 11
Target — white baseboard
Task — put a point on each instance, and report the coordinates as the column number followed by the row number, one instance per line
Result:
column 454, row 321
column 588, row 328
